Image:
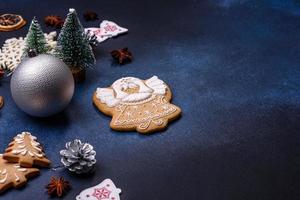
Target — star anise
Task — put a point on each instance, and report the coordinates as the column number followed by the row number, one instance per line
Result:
column 58, row 186
column 90, row 16
column 122, row 55
column 54, row 21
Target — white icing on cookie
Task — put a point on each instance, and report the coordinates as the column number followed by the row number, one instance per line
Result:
column 107, row 96
column 116, row 95
column 157, row 85
column 22, row 147
column 17, row 178
column 136, row 97
column 18, row 168
column 3, row 180
column 145, row 117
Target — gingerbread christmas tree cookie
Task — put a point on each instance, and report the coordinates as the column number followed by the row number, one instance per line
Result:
column 25, row 150
column 135, row 104
column 13, row 175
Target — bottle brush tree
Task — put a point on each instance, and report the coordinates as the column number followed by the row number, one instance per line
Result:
column 35, row 39
column 73, row 46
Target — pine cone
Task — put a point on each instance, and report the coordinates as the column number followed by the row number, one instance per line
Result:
column 78, row 157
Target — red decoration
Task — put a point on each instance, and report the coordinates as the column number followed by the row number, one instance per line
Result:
column 122, row 55
column 90, row 16
column 101, row 193
column 1, row 73
column 54, row 21
column 58, row 187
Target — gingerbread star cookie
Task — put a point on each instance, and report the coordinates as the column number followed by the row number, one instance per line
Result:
column 13, row 175
column 135, row 104
column 25, row 150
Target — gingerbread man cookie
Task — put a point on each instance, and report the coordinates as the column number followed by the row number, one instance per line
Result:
column 25, row 150
column 135, row 104
column 13, row 175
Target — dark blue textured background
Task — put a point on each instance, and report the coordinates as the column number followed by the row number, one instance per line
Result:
column 233, row 67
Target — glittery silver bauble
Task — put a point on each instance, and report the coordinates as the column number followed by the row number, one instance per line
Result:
column 42, row 86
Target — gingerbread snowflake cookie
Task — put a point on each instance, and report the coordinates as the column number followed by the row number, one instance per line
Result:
column 25, row 150
column 135, row 104
column 13, row 175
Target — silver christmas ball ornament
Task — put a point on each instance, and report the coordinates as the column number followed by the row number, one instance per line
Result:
column 42, row 86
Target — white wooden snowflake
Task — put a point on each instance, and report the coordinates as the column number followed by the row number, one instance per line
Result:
column 12, row 50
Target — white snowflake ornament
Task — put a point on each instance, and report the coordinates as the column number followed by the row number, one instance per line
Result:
column 112, row 29
column 13, row 49
column 106, row 190
column 108, row 29
column 98, row 32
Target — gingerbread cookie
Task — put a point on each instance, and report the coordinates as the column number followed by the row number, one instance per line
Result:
column 135, row 104
column 1, row 102
column 13, row 175
column 10, row 22
column 27, row 151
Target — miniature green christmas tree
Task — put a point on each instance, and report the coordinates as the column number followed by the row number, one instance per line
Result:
column 35, row 39
column 73, row 46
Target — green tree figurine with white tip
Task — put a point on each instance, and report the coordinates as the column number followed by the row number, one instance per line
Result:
column 73, row 46
column 35, row 39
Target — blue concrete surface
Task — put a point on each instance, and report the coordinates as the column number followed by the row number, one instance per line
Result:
column 233, row 67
